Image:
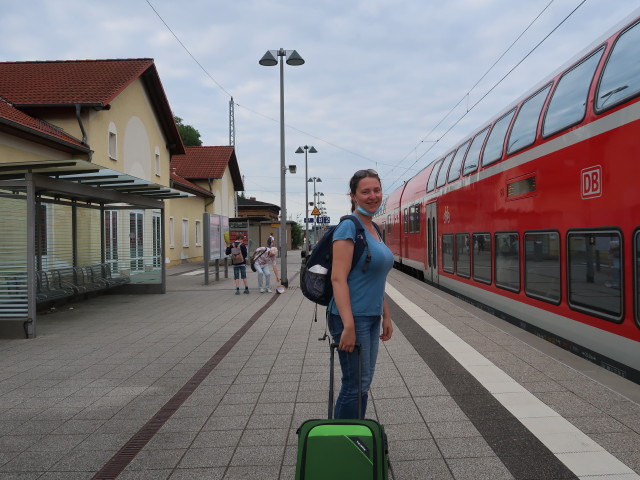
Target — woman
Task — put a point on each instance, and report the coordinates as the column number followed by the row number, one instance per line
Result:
column 358, row 297
column 262, row 262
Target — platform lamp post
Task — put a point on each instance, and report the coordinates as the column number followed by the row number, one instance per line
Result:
column 314, row 180
column 304, row 150
column 270, row 59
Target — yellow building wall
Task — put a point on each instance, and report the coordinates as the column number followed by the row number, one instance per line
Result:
column 178, row 209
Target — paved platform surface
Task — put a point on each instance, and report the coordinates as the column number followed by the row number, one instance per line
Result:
column 201, row 383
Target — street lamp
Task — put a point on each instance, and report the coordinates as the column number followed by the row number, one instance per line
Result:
column 314, row 180
column 270, row 60
column 306, row 195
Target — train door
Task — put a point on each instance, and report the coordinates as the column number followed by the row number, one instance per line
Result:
column 431, row 273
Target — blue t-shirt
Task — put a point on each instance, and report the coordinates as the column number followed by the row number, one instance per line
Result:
column 366, row 289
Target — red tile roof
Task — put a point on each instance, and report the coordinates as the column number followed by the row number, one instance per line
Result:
column 69, row 81
column 202, row 162
column 182, row 184
column 37, row 84
column 17, row 122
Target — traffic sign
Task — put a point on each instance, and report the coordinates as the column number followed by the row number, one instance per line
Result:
column 315, row 211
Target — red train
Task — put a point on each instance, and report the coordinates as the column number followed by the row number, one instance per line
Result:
column 536, row 215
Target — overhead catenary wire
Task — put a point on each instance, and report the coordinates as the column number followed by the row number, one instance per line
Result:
column 466, row 95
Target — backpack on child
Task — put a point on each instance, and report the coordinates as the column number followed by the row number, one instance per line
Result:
column 236, row 254
column 315, row 275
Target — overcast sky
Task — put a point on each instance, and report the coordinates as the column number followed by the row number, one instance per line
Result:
column 379, row 80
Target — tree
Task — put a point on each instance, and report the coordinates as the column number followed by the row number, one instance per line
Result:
column 190, row 136
column 296, row 236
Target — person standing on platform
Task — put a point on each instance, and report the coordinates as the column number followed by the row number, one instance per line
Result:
column 238, row 252
column 270, row 240
column 358, row 310
column 262, row 261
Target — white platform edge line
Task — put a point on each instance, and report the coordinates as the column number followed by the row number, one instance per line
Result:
column 563, row 439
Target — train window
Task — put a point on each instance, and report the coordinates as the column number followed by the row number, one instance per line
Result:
column 447, row 252
column 507, row 261
column 406, row 221
column 482, row 257
column 411, row 219
column 388, row 223
column 569, row 100
column 416, row 218
column 621, row 76
column 525, row 127
column 454, row 169
column 431, row 184
column 495, row 143
column 442, row 176
column 463, row 255
column 636, row 294
column 471, row 160
column 595, row 273
column 542, row 266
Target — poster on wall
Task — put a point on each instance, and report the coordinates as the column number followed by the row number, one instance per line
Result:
column 239, row 228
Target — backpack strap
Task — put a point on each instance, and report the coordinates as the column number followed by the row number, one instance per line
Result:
column 360, row 244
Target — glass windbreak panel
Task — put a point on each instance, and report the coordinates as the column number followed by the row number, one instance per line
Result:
column 14, row 284
column 569, row 101
column 454, row 170
column 471, row 160
column 621, row 76
column 493, row 150
column 463, row 255
column 447, row 253
column 431, row 184
column 442, row 176
column 595, row 273
column 482, row 257
column 525, row 126
column 542, row 266
column 508, row 261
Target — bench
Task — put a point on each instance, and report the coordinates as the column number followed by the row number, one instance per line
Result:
column 51, row 287
column 102, row 273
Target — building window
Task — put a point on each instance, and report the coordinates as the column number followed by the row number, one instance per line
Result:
column 595, row 273
column 113, row 142
column 157, row 162
column 198, row 233
column 447, row 253
column 508, row 261
column 172, row 233
column 185, row 232
column 542, row 266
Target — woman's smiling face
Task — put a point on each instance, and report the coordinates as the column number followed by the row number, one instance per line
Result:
column 368, row 194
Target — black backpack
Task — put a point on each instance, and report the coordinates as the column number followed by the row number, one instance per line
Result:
column 315, row 275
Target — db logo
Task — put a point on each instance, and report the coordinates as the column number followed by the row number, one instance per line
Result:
column 591, row 182
column 446, row 218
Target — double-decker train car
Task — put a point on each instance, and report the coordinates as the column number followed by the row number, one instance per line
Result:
column 536, row 215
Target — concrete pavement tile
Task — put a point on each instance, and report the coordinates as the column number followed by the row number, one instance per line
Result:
column 274, row 408
column 258, row 455
column 190, row 424
column 267, row 436
column 33, row 427
column 198, row 473
column 458, row 429
column 407, row 431
column 104, row 441
column 483, row 468
column 269, row 421
column 253, row 473
column 155, row 474
column 464, row 447
column 439, row 409
column 420, row 449
column 275, row 397
column 31, row 461
column 78, row 427
column 56, row 442
column 66, row 475
column 148, row 459
column 18, row 443
column 206, row 457
column 217, row 438
column 389, row 392
column 600, row 424
column 96, row 413
column 225, row 423
column 172, row 440
column 240, row 398
column 274, row 386
column 243, row 409
column 245, row 388
column 397, row 410
column 432, row 469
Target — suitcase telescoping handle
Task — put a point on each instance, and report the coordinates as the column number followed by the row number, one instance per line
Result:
column 334, row 346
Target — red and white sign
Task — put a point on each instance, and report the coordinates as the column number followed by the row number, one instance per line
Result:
column 591, row 179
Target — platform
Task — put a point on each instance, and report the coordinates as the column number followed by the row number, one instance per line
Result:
column 201, row 383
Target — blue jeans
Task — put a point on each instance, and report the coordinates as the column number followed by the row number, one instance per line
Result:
column 264, row 270
column 368, row 336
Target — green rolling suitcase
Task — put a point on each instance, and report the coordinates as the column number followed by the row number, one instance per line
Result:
column 342, row 449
